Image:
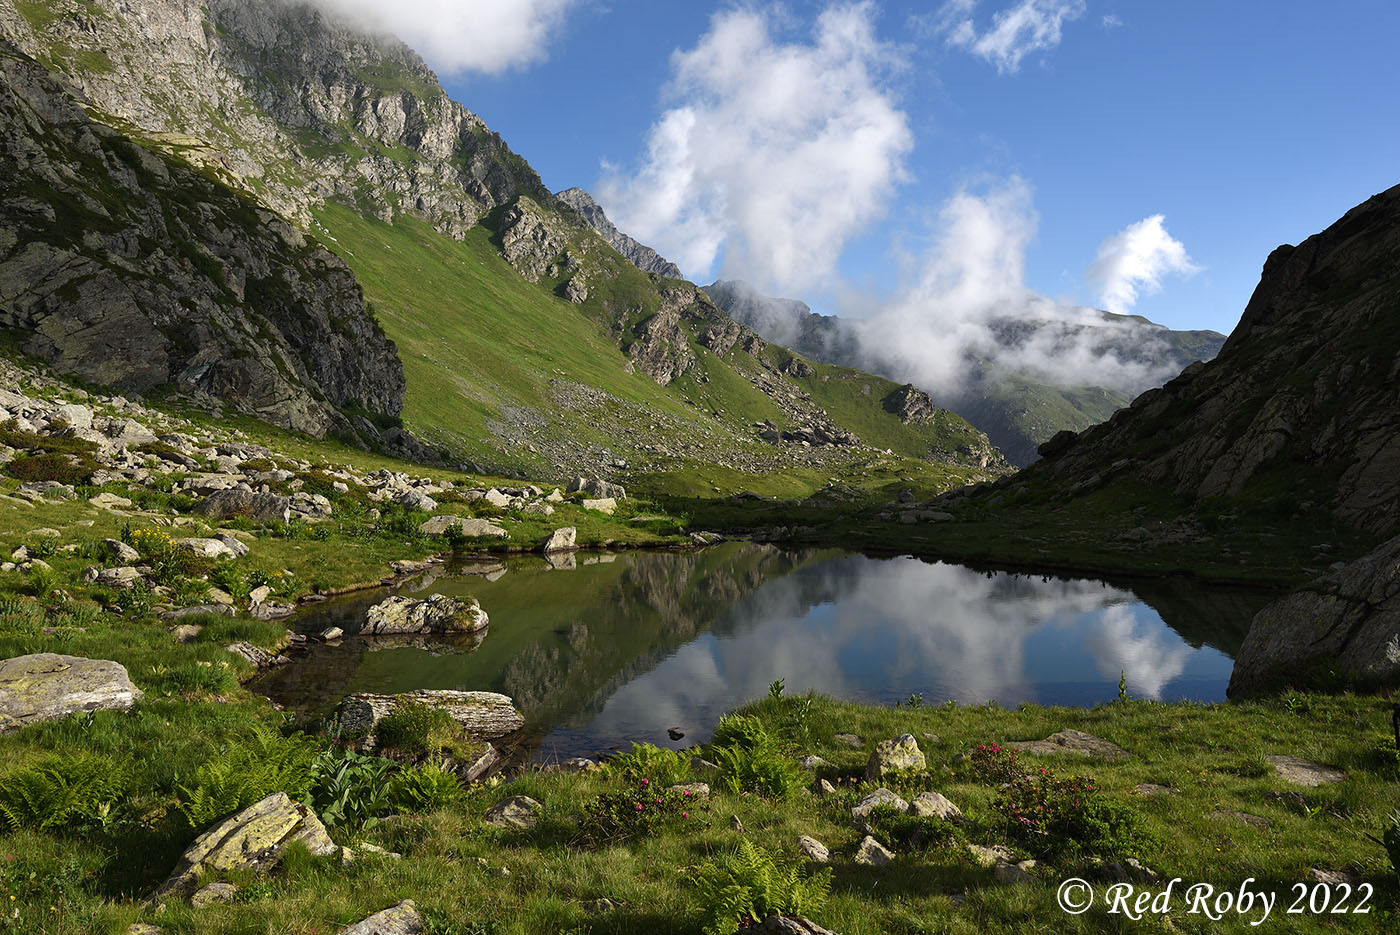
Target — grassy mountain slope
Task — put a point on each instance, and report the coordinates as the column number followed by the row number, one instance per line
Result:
column 529, row 345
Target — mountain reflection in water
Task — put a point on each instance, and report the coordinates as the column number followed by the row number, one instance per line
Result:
column 622, row 647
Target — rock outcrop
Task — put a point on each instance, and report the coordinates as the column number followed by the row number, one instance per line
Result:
column 130, row 268
column 640, row 255
column 1348, row 622
column 44, row 686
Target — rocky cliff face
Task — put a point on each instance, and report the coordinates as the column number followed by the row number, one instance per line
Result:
column 640, row 255
column 1303, row 397
column 282, row 99
column 132, row 269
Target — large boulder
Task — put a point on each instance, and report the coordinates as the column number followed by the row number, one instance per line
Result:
column 483, row 715
column 470, row 527
column 597, row 487
column 562, row 540
column 436, row 613
column 1348, row 621
column 901, row 755
column 44, row 686
column 241, row 501
column 252, row 839
column 606, row 505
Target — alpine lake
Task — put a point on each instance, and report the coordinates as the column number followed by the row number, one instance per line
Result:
column 602, row 649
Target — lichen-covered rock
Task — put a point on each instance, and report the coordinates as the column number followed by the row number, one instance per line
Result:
column 900, row 755
column 604, row 505
column 436, row 613
column 518, row 811
column 402, row 919
column 44, row 686
column 934, row 804
column 483, row 715
column 252, row 839
column 1071, row 741
column 598, row 487
column 813, row 849
column 875, row 799
column 872, row 853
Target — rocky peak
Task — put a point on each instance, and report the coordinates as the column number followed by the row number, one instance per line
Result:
column 286, row 99
column 640, row 255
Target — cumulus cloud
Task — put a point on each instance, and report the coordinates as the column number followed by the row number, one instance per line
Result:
column 1133, row 262
column 968, row 309
column 1015, row 32
column 462, row 35
column 774, row 153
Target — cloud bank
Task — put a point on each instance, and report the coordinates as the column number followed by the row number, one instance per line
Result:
column 774, row 154
column 968, row 312
column 1134, row 261
column 1015, row 32
column 462, row 35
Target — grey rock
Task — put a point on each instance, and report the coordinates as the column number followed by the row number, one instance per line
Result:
column 1071, row 741
column 788, row 925
column 470, row 527
column 436, row 613
column 213, row 894
column 893, row 756
column 1258, row 822
column 483, row 715
column 933, row 804
column 813, row 849
column 1303, row 772
column 252, row 839
column 598, row 488
column 561, row 540
column 519, row 811
column 44, row 686
column 877, row 798
column 989, row 855
column 871, row 853
column 401, row 919
column 240, row 501
column 606, row 505
column 206, row 548
column 639, row 255
column 120, row 552
column 1349, row 620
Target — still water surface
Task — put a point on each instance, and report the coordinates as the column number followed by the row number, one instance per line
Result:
column 614, row 648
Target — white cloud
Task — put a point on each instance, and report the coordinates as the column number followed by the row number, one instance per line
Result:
column 775, row 153
column 463, row 35
column 1029, row 26
column 954, row 313
column 1134, row 261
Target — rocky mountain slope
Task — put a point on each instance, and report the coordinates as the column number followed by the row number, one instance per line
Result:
column 640, row 255
column 1293, row 431
column 528, row 343
column 1018, row 411
column 132, row 269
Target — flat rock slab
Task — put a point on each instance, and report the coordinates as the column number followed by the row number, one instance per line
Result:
column 469, row 526
column 1245, row 818
column 254, row 838
column 1304, row 772
column 44, row 686
column 1071, row 741
column 787, row 925
column 483, row 715
column 881, row 796
column 1150, row 789
column 402, row 919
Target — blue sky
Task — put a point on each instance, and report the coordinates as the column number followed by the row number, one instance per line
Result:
column 1243, row 124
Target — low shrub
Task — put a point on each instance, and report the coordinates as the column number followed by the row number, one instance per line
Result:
column 1052, row 815
column 911, row 832
column 643, row 809
column 416, row 729
column 749, row 885
column 994, row 764
column 652, row 763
